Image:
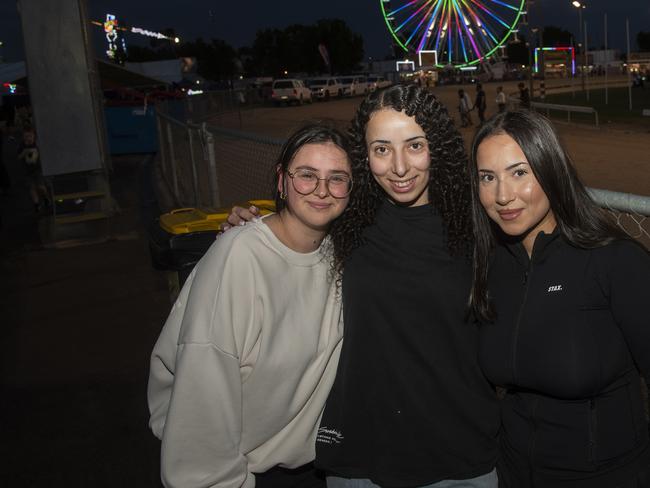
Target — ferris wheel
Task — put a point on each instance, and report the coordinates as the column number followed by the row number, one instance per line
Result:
column 460, row 32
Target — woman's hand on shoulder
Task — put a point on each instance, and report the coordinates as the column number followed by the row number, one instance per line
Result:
column 240, row 216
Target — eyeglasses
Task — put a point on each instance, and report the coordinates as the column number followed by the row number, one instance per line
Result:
column 306, row 182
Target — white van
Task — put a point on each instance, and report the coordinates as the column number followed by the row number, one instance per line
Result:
column 290, row 90
column 354, row 85
column 325, row 88
column 377, row 82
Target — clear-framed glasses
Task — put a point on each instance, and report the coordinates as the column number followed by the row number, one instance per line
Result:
column 305, row 182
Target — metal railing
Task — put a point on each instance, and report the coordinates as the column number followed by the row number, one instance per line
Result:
column 209, row 167
column 514, row 103
column 565, row 108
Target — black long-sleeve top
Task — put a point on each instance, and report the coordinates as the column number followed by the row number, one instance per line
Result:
column 409, row 405
column 571, row 337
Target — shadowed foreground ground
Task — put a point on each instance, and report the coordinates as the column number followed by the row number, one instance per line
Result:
column 78, row 325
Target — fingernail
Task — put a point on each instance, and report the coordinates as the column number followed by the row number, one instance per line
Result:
column 242, row 222
column 253, row 208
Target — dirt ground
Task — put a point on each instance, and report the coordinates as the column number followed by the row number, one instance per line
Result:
column 610, row 158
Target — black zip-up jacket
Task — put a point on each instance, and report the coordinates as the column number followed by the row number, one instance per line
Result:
column 571, row 337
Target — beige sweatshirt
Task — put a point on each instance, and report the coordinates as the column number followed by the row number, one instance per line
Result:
column 243, row 366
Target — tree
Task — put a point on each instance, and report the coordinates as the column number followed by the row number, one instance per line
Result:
column 215, row 60
column 344, row 46
column 296, row 49
column 643, row 40
column 266, row 52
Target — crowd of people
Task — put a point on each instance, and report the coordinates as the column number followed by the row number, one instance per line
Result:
column 412, row 316
column 466, row 106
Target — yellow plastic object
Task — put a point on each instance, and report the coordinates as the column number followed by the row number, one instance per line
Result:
column 187, row 220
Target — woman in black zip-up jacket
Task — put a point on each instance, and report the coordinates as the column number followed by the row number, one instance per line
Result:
column 562, row 296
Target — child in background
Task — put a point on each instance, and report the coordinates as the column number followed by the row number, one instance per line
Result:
column 28, row 152
column 464, row 108
column 501, row 99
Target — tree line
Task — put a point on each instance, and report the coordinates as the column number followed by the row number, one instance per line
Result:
column 296, row 48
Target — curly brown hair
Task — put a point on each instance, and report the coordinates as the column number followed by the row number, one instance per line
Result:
column 449, row 184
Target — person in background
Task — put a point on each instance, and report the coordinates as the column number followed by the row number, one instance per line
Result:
column 242, row 368
column 501, row 99
column 464, row 108
column 480, row 103
column 562, row 296
column 524, row 96
column 29, row 154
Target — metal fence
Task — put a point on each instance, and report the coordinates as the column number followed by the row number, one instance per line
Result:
column 209, row 167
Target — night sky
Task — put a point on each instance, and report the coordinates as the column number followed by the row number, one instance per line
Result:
column 237, row 21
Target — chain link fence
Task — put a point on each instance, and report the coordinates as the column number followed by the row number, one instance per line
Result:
column 209, row 167
column 631, row 212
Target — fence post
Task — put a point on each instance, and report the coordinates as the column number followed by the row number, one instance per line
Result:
column 172, row 159
column 212, row 168
column 161, row 145
column 195, row 179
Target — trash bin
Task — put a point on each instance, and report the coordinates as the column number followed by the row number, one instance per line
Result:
column 183, row 236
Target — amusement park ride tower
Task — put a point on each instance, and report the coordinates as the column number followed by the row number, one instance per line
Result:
column 462, row 34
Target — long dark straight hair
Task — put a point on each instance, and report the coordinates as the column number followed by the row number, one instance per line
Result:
column 579, row 220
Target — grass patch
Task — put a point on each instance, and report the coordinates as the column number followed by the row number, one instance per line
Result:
column 615, row 112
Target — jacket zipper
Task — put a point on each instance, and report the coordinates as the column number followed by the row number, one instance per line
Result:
column 519, row 317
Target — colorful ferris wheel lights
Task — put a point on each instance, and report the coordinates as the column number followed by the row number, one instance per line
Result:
column 463, row 32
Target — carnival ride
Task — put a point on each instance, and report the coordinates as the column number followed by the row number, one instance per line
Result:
column 460, row 33
column 116, row 42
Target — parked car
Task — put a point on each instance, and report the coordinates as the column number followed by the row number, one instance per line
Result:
column 325, row 88
column 290, row 90
column 377, row 82
column 354, row 85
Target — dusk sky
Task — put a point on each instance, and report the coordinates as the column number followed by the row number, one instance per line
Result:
column 237, row 21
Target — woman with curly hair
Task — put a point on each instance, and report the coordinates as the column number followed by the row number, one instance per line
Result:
column 409, row 406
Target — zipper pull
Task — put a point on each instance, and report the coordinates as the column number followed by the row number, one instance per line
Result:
column 525, row 277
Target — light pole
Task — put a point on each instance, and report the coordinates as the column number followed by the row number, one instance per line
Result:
column 580, row 7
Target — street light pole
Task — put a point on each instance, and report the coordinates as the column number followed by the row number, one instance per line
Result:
column 530, row 44
column 581, row 6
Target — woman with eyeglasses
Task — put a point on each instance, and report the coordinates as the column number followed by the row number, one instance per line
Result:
column 243, row 366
